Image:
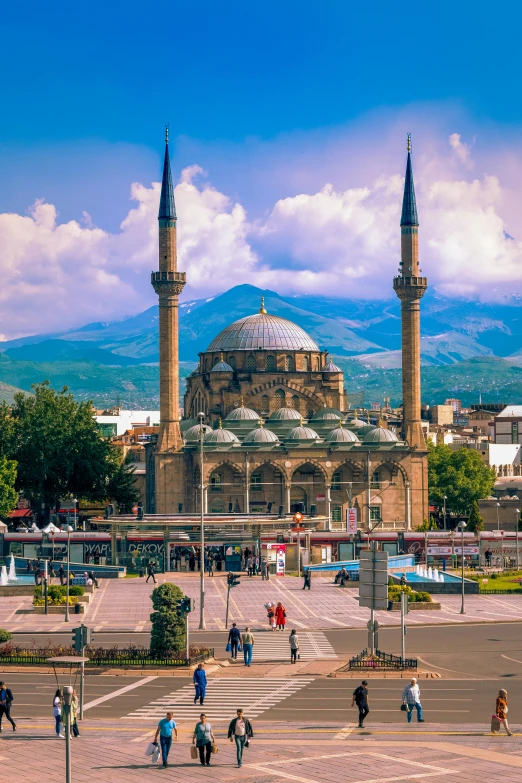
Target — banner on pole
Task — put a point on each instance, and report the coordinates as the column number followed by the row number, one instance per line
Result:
column 351, row 520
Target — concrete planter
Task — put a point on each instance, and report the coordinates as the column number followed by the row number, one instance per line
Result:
column 57, row 609
column 417, row 605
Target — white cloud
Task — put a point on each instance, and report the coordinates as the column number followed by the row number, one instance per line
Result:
column 333, row 240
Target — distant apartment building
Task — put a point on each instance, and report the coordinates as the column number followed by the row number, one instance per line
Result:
column 116, row 421
column 508, row 425
column 442, row 415
column 455, row 404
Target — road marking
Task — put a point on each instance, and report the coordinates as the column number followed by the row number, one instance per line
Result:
column 445, row 668
column 510, row 659
column 345, row 732
column 114, row 694
column 92, row 617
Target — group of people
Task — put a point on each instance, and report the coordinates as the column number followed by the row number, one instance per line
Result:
column 240, row 731
column 276, row 615
column 59, row 714
column 240, row 642
column 37, row 568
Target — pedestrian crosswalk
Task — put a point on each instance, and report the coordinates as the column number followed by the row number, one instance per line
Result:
column 224, row 695
column 274, row 646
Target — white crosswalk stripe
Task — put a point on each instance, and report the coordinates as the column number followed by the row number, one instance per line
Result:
column 274, row 646
column 224, row 695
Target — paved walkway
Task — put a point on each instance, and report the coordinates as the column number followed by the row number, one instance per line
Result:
column 124, row 604
column 279, row 753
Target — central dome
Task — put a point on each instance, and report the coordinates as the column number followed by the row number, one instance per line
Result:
column 263, row 331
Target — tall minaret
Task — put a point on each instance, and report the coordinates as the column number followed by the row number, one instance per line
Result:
column 410, row 289
column 168, row 284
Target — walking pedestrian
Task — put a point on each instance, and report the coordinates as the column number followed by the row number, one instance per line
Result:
column 411, row 697
column 6, row 700
column 192, row 561
column 57, row 713
column 210, row 564
column 203, row 738
column 294, row 645
column 165, row 728
column 92, row 577
column 200, row 683
column 240, row 730
column 61, row 575
column 280, row 616
column 250, row 565
column 264, row 568
column 74, row 714
column 360, row 698
column 501, row 710
column 307, row 575
column 271, row 615
column 247, row 641
column 151, row 572
column 234, row 637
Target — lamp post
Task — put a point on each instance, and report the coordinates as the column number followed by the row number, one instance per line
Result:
column 69, row 531
column 202, row 625
column 498, row 520
column 445, row 522
column 516, row 532
column 67, row 702
column 462, row 526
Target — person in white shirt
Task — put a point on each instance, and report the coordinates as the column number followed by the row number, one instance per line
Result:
column 240, row 731
column 411, row 697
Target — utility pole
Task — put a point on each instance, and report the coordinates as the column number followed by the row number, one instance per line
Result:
column 202, row 625
column 404, row 611
column 67, row 701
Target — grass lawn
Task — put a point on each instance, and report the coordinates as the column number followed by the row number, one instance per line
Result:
column 510, row 581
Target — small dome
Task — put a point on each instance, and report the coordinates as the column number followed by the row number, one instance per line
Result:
column 242, row 414
column 222, row 366
column 327, row 413
column 380, row 435
column 342, row 435
column 186, row 424
column 285, row 414
column 215, row 437
column 356, row 423
column 302, row 433
column 331, row 367
column 261, row 436
column 192, row 434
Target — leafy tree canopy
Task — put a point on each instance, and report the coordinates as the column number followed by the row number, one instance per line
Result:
column 60, row 451
column 475, row 522
column 460, row 475
column 8, row 494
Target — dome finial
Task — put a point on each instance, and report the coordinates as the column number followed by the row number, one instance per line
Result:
column 260, row 424
column 166, row 134
column 301, row 421
column 242, row 402
column 409, row 142
column 220, row 423
column 368, row 417
column 221, row 358
column 341, row 423
column 262, row 308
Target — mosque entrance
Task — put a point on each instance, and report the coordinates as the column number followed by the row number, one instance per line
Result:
column 298, row 500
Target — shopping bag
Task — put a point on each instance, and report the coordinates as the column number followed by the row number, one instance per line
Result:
column 240, row 648
column 404, row 708
column 495, row 723
column 214, row 748
column 228, row 648
column 151, row 747
column 155, row 756
column 193, row 752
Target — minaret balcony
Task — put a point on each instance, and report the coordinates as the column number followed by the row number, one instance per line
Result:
column 168, row 283
column 410, row 288
column 175, row 277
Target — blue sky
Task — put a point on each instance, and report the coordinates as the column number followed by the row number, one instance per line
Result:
column 271, row 100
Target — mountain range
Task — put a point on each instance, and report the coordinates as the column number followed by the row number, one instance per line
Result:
column 475, row 346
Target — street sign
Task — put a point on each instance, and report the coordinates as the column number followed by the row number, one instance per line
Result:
column 373, row 579
column 351, row 520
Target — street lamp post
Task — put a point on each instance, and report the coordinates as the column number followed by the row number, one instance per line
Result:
column 69, row 531
column 445, row 521
column 498, row 520
column 462, row 526
column 202, row 625
column 516, row 532
column 67, row 702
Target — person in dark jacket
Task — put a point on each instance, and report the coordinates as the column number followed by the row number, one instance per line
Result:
column 360, row 698
column 240, row 730
column 307, row 579
column 200, row 683
column 151, row 572
column 234, row 637
column 61, row 574
column 6, row 700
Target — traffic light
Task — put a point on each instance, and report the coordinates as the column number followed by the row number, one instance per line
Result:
column 77, row 639
column 233, row 580
column 186, row 606
column 88, row 635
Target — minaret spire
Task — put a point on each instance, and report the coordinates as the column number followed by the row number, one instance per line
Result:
column 168, row 284
column 410, row 287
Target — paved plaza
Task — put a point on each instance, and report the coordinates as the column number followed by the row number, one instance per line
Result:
column 279, row 753
column 124, row 604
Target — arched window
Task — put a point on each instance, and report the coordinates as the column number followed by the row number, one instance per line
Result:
column 317, row 365
column 251, row 363
column 376, row 479
column 216, row 482
column 295, row 402
column 309, row 413
column 280, row 398
column 265, row 405
column 232, row 362
column 289, row 364
column 270, row 363
column 306, row 363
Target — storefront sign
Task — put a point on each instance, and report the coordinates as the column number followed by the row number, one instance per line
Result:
column 280, row 559
column 351, row 520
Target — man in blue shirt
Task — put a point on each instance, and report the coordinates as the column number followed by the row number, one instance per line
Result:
column 234, row 637
column 165, row 729
column 200, row 683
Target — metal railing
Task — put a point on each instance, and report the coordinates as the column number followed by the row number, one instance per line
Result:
column 113, row 658
column 381, row 660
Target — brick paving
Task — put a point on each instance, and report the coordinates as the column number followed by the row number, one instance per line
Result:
column 124, row 604
column 302, row 753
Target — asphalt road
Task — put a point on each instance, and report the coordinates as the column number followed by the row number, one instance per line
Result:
column 320, row 701
column 474, row 651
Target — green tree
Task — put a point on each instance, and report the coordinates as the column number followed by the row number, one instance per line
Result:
column 475, row 522
column 428, row 524
column 8, row 494
column 168, row 627
column 60, row 451
column 460, row 475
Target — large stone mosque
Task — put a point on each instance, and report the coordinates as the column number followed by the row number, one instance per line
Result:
column 278, row 436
